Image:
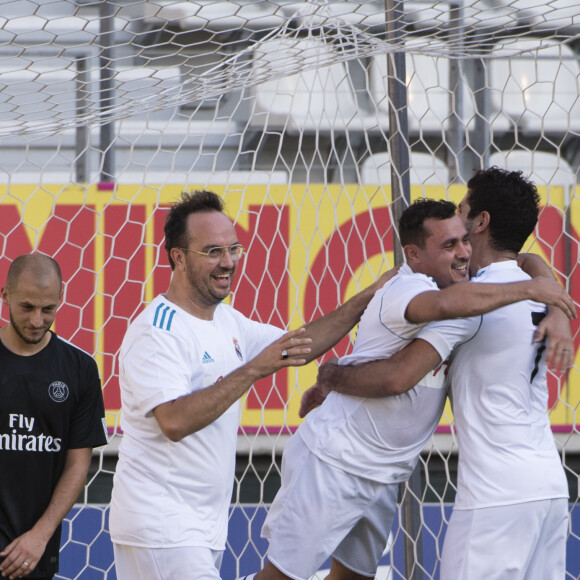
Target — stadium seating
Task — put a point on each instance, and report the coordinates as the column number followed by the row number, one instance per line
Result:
column 537, row 95
column 315, row 99
column 542, row 167
column 425, row 169
column 424, row 14
column 52, row 90
column 429, row 93
column 213, row 15
column 546, row 15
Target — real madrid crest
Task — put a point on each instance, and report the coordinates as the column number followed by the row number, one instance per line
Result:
column 58, row 392
column 238, row 349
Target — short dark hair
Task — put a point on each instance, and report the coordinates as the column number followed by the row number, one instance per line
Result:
column 512, row 202
column 41, row 266
column 411, row 222
column 176, row 235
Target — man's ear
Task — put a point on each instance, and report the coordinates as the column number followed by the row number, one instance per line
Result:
column 481, row 222
column 178, row 256
column 412, row 253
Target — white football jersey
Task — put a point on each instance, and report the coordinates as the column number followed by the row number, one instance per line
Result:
column 380, row 439
column 178, row 493
column 499, row 396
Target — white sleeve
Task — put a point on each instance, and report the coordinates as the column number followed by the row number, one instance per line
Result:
column 395, row 298
column 157, row 369
column 445, row 335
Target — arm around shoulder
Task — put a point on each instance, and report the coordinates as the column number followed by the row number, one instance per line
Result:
column 473, row 299
column 380, row 378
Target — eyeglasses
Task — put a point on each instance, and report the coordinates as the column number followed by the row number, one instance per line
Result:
column 217, row 253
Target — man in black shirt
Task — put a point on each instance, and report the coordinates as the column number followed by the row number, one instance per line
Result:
column 52, row 415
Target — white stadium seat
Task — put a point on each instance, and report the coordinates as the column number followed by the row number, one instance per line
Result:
column 542, row 167
column 545, row 15
column 315, row 99
column 49, row 91
column 538, row 92
column 425, row 169
column 213, row 15
column 428, row 92
column 477, row 14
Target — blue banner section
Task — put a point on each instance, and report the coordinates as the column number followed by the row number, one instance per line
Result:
column 87, row 552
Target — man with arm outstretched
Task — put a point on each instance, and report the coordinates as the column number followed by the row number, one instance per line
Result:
column 349, row 457
column 511, row 510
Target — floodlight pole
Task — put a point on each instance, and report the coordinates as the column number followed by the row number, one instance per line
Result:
column 401, row 198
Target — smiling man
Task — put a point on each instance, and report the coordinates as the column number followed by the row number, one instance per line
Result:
column 511, row 510
column 341, row 470
column 184, row 364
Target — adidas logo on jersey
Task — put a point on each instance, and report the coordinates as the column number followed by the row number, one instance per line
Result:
column 206, row 358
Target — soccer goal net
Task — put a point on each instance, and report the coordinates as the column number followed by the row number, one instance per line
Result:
column 315, row 120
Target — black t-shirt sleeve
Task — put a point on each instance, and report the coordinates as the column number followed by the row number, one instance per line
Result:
column 88, row 427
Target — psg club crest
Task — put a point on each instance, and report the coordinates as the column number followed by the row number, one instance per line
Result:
column 58, row 392
column 238, row 349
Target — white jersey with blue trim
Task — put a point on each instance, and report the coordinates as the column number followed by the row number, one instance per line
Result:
column 380, row 439
column 499, row 395
column 178, row 493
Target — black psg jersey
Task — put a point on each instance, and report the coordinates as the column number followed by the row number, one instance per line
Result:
column 50, row 402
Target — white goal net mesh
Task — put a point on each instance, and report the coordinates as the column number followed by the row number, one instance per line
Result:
column 110, row 109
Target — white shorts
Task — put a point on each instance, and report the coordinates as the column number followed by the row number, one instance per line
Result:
column 133, row 563
column 321, row 510
column 525, row 541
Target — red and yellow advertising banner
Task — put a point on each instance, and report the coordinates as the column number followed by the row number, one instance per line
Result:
column 309, row 249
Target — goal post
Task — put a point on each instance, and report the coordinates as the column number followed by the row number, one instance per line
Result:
column 286, row 109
